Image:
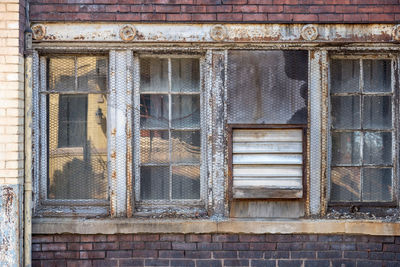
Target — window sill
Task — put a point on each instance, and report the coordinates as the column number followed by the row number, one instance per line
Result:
column 229, row 226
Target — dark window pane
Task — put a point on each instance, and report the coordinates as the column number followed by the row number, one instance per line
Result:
column 185, row 182
column 77, row 147
column 92, row 73
column 154, row 111
column 154, row 146
column 185, row 111
column 377, row 112
column 345, row 75
column 267, row 87
column 377, row 148
column 377, row 184
column 377, row 76
column 61, row 75
column 345, row 184
column 185, row 146
column 345, row 112
column 153, row 75
column 185, row 75
column 346, row 148
column 154, row 183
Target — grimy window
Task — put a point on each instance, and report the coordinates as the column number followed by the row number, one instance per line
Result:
column 170, row 130
column 362, row 130
column 73, row 107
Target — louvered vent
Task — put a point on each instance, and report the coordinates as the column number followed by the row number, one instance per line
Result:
column 267, row 163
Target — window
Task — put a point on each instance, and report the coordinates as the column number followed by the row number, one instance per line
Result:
column 362, row 130
column 169, row 167
column 73, row 109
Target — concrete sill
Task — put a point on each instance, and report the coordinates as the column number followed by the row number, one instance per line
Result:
column 230, row 226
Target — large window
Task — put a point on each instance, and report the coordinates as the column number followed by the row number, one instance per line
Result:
column 362, row 130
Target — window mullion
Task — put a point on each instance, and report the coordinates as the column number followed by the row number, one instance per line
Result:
column 169, row 127
column 43, row 129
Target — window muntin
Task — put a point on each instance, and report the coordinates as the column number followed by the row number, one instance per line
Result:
column 170, row 132
column 76, row 121
column 362, row 130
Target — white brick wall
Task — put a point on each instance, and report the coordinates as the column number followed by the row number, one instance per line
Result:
column 11, row 95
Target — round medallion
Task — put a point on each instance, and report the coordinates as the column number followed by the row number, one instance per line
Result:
column 127, row 33
column 396, row 32
column 218, row 33
column 309, row 32
column 39, row 31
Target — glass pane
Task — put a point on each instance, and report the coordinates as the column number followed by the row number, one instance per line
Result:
column 377, row 184
column 154, row 182
column 77, row 147
column 185, row 146
column 185, row 111
column 377, row 112
column 267, row 87
column 346, row 148
column 154, row 146
column 345, row 112
column 185, row 75
column 154, row 75
column 345, row 75
column 377, row 76
column 154, row 111
column 186, row 182
column 61, row 74
column 377, row 148
column 92, row 73
column 345, row 184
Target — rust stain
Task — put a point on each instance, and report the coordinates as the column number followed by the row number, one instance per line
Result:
column 114, row 132
column 113, row 155
column 8, row 199
column 114, row 175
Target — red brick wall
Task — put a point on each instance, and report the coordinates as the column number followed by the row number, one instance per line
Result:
column 215, row 250
column 271, row 11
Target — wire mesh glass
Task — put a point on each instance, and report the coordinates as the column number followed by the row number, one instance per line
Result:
column 362, row 130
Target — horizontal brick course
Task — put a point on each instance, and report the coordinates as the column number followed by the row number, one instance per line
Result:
column 218, row 250
column 317, row 11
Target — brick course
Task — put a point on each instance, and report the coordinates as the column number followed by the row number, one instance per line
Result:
column 215, row 250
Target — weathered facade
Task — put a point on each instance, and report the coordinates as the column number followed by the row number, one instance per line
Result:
column 199, row 133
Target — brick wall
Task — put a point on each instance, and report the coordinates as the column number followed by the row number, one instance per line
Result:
column 215, row 250
column 338, row 11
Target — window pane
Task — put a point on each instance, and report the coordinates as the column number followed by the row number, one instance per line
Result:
column 92, row 73
column 154, row 111
column 377, row 112
column 154, row 75
column 377, row 148
column 154, row 146
column 185, row 111
column 186, row 182
column 346, row 148
column 61, row 74
column 154, row 183
column 77, row 147
column 345, row 112
column 345, row 184
column 377, row 184
column 185, row 75
column 185, row 146
column 268, row 87
column 377, row 76
column 345, row 75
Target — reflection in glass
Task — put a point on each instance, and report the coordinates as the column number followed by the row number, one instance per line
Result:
column 346, row 148
column 185, row 111
column 377, row 184
column 377, row 112
column 377, row 76
column 154, row 111
column 154, row 75
column 61, row 75
column 345, row 112
column 345, row 75
column 345, row 184
column 185, row 146
column 185, row 182
column 185, row 75
column 154, row 146
column 378, row 148
column 154, row 182
column 92, row 73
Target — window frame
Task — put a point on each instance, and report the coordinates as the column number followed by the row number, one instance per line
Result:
column 394, row 61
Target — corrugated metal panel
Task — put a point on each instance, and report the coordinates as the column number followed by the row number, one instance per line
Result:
column 267, row 163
